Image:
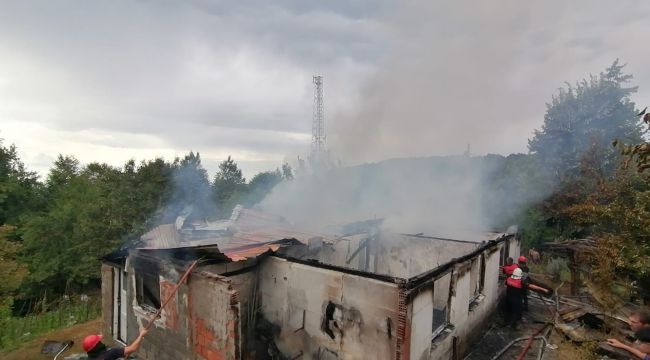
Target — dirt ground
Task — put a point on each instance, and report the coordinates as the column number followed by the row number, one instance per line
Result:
column 538, row 316
column 31, row 350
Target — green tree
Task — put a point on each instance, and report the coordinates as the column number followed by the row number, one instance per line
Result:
column 639, row 152
column 597, row 110
column 48, row 235
column 19, row 188
column 515, row 183
column 12, row 271
column 229, row 187
column 91, row 211
column 64, row 170
column 261, row 185
column 190, row 188
column 152, row 185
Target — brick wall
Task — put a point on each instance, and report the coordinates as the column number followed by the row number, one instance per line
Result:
column 200, row 323
column 214, row 318
column 168, row 338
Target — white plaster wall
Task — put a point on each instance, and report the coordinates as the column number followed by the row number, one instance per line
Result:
column 421, row 324
column 393, row 254
column 407, row 256
column 480, row 313
column 367, row 317
column 460, row 299
column 466, row 323
column 340, row 251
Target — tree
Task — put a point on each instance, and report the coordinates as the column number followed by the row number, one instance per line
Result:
column 190, row 189
column 597, row 110
column 228, row 187
column 287, row 171
column 91, row 211
column 153, row 188
column 19, row 188
column 617, row 215
column 261, row 185
column 639, row 153
column 518, row 185
column 63, row 171
column 51, row 237
column 12, row 271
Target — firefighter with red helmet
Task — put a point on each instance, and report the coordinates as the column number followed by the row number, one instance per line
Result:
column 516, row 285
column 97, row 350
column 522, row 263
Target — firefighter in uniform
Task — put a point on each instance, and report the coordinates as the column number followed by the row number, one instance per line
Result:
column 516, row 285
column 509, row 267
column 522, row 262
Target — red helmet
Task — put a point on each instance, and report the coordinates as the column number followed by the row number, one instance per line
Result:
column 91, row 341
column 522, row 259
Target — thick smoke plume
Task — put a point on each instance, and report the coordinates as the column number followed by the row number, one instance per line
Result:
column 480, row 73
column 457, row 74
column 414, row 195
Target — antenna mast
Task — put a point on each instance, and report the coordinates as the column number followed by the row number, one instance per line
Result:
column 318, row 122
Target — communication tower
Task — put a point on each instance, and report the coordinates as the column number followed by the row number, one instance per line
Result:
column 318, row 122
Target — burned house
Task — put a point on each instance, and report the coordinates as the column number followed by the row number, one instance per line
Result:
column 264, row 290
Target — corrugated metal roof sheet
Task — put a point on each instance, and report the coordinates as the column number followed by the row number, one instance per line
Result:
column 252, row 233
column 249, row 219
column 162, row 236
column 240, row 254
column 271, row 234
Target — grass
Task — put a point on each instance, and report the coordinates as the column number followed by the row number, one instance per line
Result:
column 15, row 331
column 31, row 350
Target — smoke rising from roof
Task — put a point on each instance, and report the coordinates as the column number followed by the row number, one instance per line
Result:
column 456, row 75
column 480, row 73
column 413, row 195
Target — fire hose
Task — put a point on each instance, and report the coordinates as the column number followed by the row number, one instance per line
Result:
column 498, row 355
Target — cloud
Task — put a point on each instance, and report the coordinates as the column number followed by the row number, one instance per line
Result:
column 220, row 79
column 133, row 79
column 481, row 74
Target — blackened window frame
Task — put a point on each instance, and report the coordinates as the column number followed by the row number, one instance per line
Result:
column 147, row 291
column 436, row 330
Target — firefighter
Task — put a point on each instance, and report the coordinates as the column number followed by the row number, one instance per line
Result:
column 516, row 284
column 522, row 263
column 509, row 267
column 97, row 350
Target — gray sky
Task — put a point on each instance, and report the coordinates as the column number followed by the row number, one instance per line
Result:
column 109, row 81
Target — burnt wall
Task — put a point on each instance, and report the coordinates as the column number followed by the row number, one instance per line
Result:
column 201, row 322
column 407, row 256
column 385, row 253
column 327, row 314
column 473, row 295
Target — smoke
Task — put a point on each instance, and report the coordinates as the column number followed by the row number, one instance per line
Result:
column 412, row 195
column 456, row 74
column 454, row 196
column 479, row 73
column 191, row 194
